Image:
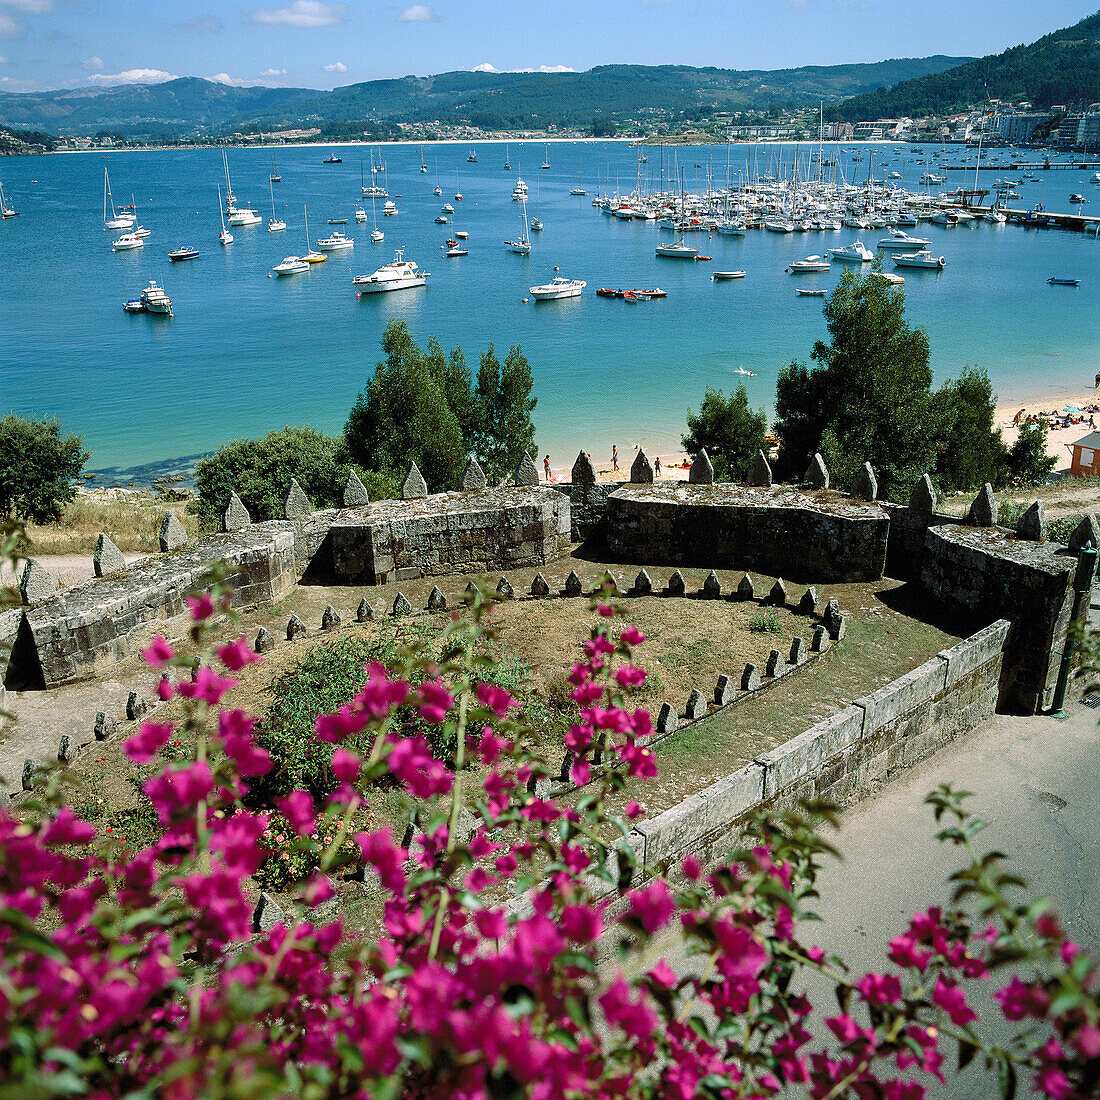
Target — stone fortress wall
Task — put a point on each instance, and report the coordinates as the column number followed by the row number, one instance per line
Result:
column 974, row 568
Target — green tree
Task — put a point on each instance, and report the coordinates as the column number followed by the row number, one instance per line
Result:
column 503, row 404
column 970, row 449
column 731, row 432
column 871, row 390
column 37, row 467
column 1028, row 461
column 259, row 471
column 403, row 415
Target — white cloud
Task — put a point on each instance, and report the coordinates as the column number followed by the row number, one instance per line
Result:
column 267, row 74
column 133, row 76
column 549, row 69
column 304, row 14
column 418, row 13
column 485, row 67
column 29, row 7
column 200, row 23
column 11, row 28
column 336, row 67
column 230, row 81
column 93, row 64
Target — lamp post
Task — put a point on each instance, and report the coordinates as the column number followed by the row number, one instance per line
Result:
column 1082, row 585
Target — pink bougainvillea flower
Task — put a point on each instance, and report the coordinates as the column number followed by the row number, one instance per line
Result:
column 345, row 723
column 297, row 808
column 67, row 828
column 581, row 923
column 159, row 652
column 632, row 635
column 1087, row 1041
column 630, row 676
column 692, row 868
column 435, row 701
column 379, row 695
column 586, row 694
column 207, row 686
column 653, row 906
column 1018, row 999
column 237, row 654
column 202, row 607
column 165, row 689
column 179, row 790
column 580, row 773
column 145, row 744
column 605, row 610
column 628, row 1013
column 491, row 923
column 411, row 761
column 879, row 989
column 952, row 1000
column 633, row 810
column 346, row 765
column 495, row 699
column 640, row 761
column 904, row 952
column 663, row 975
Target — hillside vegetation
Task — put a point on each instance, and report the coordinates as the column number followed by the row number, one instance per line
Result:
column 1061, row 67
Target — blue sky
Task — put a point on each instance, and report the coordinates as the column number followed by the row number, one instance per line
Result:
column 315, row 43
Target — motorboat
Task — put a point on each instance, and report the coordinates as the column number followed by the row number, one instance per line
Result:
column 779, row 226
column 336, row 242
column 1055, row 281
column 332, row 158
column 312, row 257
column 338, row 221
column 291, row 265
column 558, row 287
column 717, row 275
column 462, row 235
column 898, row 238
column 377, row 236
column 888, row 277
column 995, row 216
column 519, row 192
column 126, row 242
column 923, row 258
column 677, row 250
column 809, row 264
column 134, row 305
column 437, row 190
column 182, row 254
column 945, row 217
column 907, row 219
column 536, row 225
column 455, row 250
column 389, row 208
column 155, row 300
column 141, row 231
column 398, row 274
column 441, row 219
column 802, row 292
column 1075, row 197
column 855, row 252
column 360, row 215
column 448, row 208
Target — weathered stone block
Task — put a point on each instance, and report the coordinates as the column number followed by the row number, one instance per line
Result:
column 35, row 584
column 330, row 618
column 807, row 605
column 831, row 615
column 837, row 629
column 539, row 587
column 745, row 588
column 364, row 612
column 643, row 584
column 817, row 473
column 583, row 471
column 504, row 589
column 296, row 504
column 136, row 706
column 473, row 477
column 401, row 605
column 355, row 492
column 724, row 691
column 772, row 667
column 1088, row 530
column 750, row 678
column 972, row 653
column 104, row 726
column 712, row 586
column 107, row 558
column 573, row 584
column 760, row 475
column 294, row 628
column 676, row 586
column 696, row 705
column 641, row 469
column 923, row 500
column 701, row 471
column 777, row 597
column 819, row 641
column 265, row 641
column 526, row 472
column 668, row 721
column 414, row 487
column 865, row 486
column 172, row 533
column 267, row 914
column 904, row 695
column 798, row 652
column 436, row 600
column 31, row 772
column 1033, row 523
column 984, row 510
column 236, row 514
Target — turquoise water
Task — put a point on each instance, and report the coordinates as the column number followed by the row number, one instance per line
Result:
column 246, row 353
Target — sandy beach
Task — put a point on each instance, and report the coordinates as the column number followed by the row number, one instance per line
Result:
column 1058, row 439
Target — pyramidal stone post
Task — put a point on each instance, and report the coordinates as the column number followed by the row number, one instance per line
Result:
column 745, row 588
column 817, row 473
column 172, row 533
column 364, row 613
column 107, row 558
column 414, row 487
column 865, row 486
column 583, row 471
column 643, row 584
column 641, row 469
column 401, row 605
column 701, row 472
column 712, row 586
column 236, row 514
column 473, row 477
column 1033, row 523
column 572, row 584
column 539, row 587
column 1088, row 530
column 676, row 586
column 526, row 473
column 296, row 504
column 35, row 584
column 923, row 499
column 436, row 600
column 777, row 597
column 984, row 511
column 760, row 476
column 355, row 492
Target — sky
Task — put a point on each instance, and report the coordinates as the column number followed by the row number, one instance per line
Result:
column 318, row 44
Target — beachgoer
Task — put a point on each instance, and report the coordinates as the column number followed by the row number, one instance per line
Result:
column 657, row 466
column 1097, row 386
column 614, row 456
column 546, row 466
column 1016, row 418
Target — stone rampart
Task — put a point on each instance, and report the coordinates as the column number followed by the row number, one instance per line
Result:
column 474, row 532
column 988, row 573
column 820, row 536
column 905, row 543
column 587, row 505
column 87, row 630
column 843, row 758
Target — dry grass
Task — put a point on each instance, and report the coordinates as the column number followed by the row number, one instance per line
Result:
column 132, row 523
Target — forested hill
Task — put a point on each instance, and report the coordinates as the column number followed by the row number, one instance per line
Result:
column 1062, row 67
column 491, row 100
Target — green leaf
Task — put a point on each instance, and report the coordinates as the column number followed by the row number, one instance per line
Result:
column 1006, row 1079
column 966, row 1055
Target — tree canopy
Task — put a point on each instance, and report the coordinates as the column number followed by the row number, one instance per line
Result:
column 731, row 432
column 37, row 467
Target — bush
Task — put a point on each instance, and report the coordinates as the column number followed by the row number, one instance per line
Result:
column 37, row 467
column 731, row 432
column 766, row 622
column 970, row 449
column 1028, row 461
column 259, row 472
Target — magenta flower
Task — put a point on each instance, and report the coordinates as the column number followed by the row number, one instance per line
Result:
column 387, row 858
column 585, row 694
column 1018, row 1000
column 67, row 828
column 207, row 686
column 630, row 676
column 379, row 694
column 605, row 610
column 346, row 765
column 662, row 975
column 144, row 745
column 578, row 737
column 632, row 635
column 202, row 607
column 904, row 951
column 581, row 923
column 580, row 773
column 237, row 654
column 692, row 868
column 633, row 810
column 953, row 1001
column 652, row 906
column 491, row 923
column 640, row 761
column 628, row 1013
column 337, row 727
column 1087, row 1041
column 178, row 791
column 879, row 989
column 297, row 808
column 495, row 699
column 158, row 653
column 435, row 701
column 165, row 689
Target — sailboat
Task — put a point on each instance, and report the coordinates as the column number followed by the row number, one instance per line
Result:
column 244, row 215
column 522, row 244
column 5, row 210
column 311, row 257
column 536, row 225
column 116, row 220
column 578, row 190
column 276, row 225
column 546, row 162
column 437, row 190
column 274, row 177
column 507, row 158
column 423, row 163
column 376, row 234
column 225, row 237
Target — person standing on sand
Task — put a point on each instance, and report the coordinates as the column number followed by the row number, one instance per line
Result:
column 657, row 466
column 1097, row 386
column 614, row 456
column 546, row 466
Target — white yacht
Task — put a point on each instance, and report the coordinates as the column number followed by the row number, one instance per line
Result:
column 126, row 242
column 360, row 215
column 898, row 238
column 810, row 263
column 398, row 274
column 119, row 219
column 389, row 208
column 779, row 226
column 519, row 192
column 377, row 236
column 677, row 250
column 141, row 231
column 155, row 300
column 334, row 243
column 923, row 258
column 852, row 253
column 558, row 287
column 448, row 208
column 887, row 277
column 291, row 265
